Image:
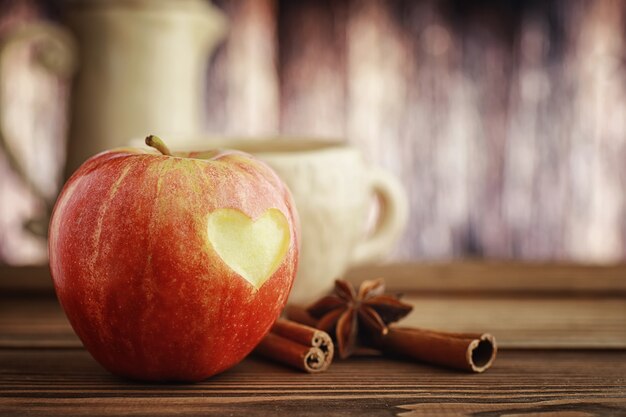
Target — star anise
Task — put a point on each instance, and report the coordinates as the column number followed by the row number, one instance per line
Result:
column 353, row 317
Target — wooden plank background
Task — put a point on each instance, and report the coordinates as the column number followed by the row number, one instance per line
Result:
column 505, row 120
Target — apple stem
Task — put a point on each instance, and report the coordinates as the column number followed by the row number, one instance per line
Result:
column 158, row 144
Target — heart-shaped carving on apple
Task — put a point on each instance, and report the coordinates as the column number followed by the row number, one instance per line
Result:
column 170, row 267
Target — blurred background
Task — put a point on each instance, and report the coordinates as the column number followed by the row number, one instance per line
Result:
column 505, row 120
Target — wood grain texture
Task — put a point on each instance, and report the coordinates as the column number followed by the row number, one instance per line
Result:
column 443, row 277
column 504, row 131
column 45, row 382
column 490, row 113
column 35, row 322
column 521, row 322
column 243, row 82
column 517, row 320
column 523, row 305
column 498, row 277
column 44, row 371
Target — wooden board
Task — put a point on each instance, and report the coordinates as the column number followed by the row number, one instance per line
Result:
column 453, row 276
column 68, row 382
column 522, row 322
column 35, row 322
column 44, row 371
column 523, row 305
column 516, row 322
column 488, row 277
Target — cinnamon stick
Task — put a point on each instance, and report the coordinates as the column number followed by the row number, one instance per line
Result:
column 297, row 345
column 472, row 352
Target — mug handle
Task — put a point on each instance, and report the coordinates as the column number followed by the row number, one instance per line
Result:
column 57, row 53
column 393, row 217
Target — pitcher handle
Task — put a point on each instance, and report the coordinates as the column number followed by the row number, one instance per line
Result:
column 57, row 53
column 393, row 217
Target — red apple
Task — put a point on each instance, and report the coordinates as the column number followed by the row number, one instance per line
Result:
column 172, row 267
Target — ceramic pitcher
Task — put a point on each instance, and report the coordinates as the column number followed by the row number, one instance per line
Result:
column 140, row 67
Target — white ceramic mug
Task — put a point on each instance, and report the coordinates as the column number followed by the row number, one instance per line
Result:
column 334, row 192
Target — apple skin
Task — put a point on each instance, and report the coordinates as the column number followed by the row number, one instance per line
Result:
column 133, row 269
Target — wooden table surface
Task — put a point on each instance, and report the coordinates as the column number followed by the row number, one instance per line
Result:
column 64, row 382
column 45, row 372
column 542, row 316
